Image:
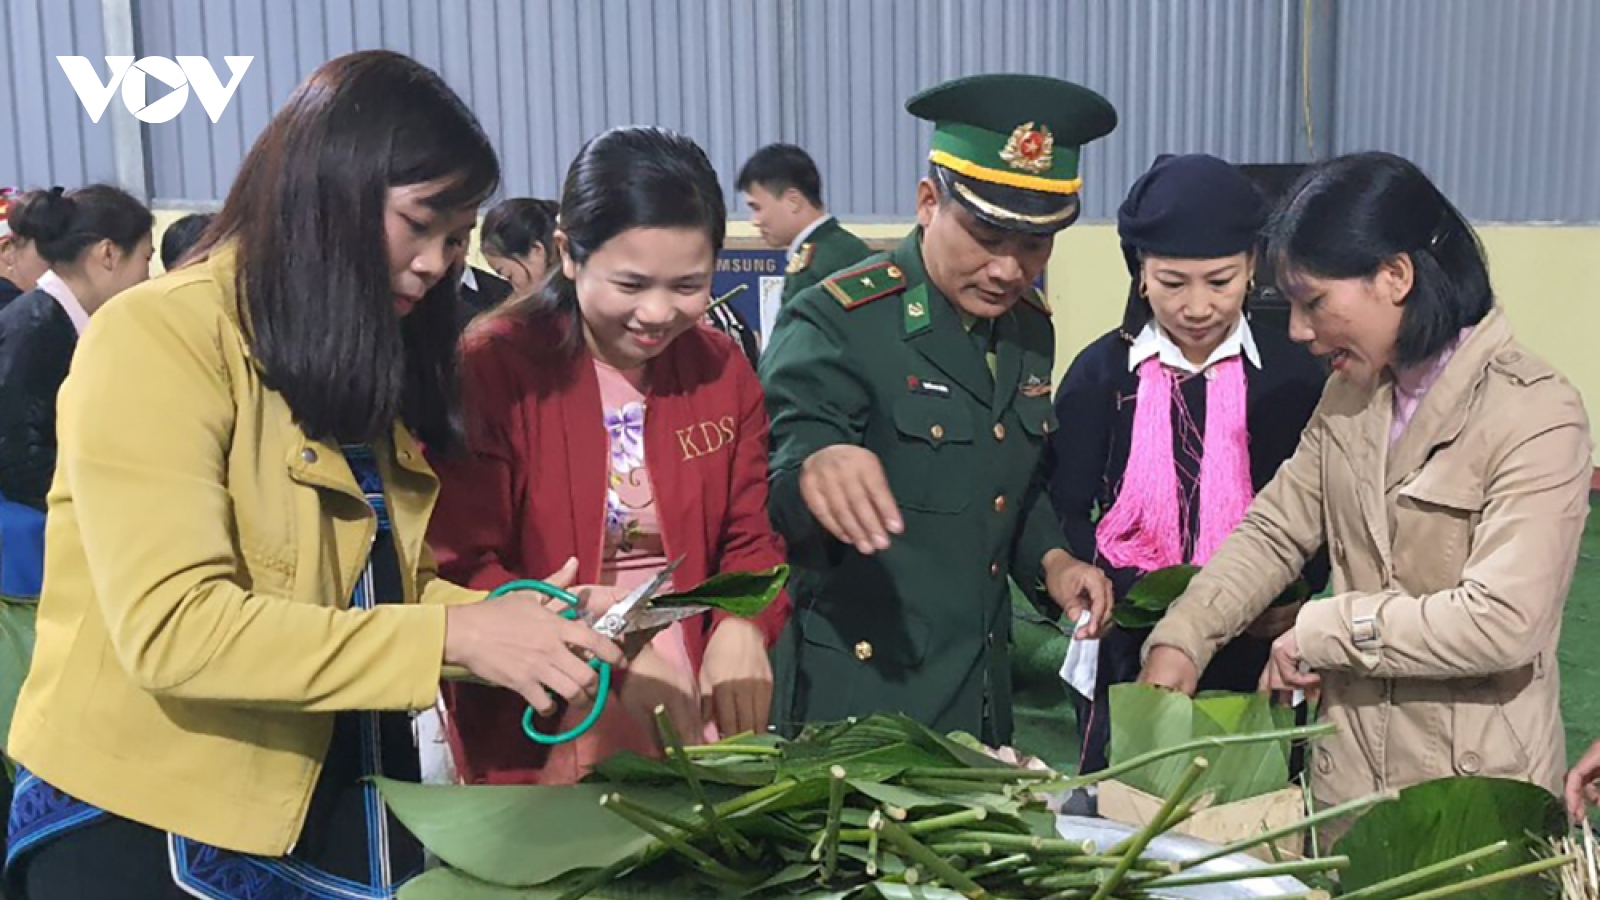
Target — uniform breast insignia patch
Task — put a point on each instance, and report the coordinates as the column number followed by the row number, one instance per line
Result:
column 801, row 259
column 864, row 285
column 1034, row 386
column 926, row 387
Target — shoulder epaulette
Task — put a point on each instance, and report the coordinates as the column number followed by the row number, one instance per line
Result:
column 801, row 259
column 1521, row 367
column 859, row 287
column 1035, row 299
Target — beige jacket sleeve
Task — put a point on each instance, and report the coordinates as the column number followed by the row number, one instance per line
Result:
column 1282, row 530
column 145, row 424
column 1513, row 587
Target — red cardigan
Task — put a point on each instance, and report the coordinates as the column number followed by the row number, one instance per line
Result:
column 531, row 492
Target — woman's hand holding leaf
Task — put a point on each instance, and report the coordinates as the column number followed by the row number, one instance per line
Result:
column 1170, row 668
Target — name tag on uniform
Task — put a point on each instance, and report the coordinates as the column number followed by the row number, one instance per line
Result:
column 926, row 387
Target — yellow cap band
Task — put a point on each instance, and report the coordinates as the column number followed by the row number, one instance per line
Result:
column 1000, row 176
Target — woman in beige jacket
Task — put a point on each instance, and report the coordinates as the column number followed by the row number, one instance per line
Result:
column 1448, row 470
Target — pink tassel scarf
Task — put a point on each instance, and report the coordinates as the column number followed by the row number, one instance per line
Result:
column 1143, row 529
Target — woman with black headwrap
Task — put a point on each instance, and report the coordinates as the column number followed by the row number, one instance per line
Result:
column 1172, row 422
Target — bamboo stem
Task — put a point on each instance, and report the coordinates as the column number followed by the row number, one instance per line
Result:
column 1299, row 867
column 872, row 843
column 936, row 865
column 1194, row 746
column 996, row 866
column 1031, row 843
column 1512, row 874
column 1308, row 822
column 650, row 826
column 1145, row 835
column 730, row 840
column 1413, row 880
column 952, row 785
column 835, row 811
column 923, row 826
column 700, row 750
column 1007, row 774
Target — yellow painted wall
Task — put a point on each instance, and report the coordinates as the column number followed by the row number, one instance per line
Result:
column 1548, row 279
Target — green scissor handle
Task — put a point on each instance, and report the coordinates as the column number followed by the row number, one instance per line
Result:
column 604, row 668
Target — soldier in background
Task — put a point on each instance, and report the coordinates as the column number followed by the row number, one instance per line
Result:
column 783, row 189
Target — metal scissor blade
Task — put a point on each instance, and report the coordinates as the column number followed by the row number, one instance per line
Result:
column 615, row 622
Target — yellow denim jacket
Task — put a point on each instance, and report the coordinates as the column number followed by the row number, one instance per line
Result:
column 194, row 640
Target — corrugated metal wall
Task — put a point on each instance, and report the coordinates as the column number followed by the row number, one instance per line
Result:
column 45, row 136
column 1499, row 101
column 1491, row 96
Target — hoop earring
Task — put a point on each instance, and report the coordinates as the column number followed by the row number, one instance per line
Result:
column 1250, row 286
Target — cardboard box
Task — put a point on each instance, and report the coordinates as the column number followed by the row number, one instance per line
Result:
column 1220, row 825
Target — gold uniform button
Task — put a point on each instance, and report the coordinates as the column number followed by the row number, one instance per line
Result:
column 999, row 431
column 1000, row 503
column 863, row 651
column 937, row 431
column 893, row 272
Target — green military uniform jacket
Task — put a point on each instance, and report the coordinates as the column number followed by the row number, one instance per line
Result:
column 877, row 357
column 827, row 250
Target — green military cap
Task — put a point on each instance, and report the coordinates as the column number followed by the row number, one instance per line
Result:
column 1007, row 146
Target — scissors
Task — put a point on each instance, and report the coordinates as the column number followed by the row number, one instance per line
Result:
column 630, row 614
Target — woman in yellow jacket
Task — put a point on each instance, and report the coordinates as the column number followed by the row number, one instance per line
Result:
column 238, row 605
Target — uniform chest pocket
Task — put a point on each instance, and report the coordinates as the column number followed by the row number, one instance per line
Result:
column 1037, row 415
column 1435, row 514
column 927, row 467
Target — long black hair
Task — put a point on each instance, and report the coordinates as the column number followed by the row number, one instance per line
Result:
column 1349, row 216
column 62, row 224
column 307, row 214
column 626, row 178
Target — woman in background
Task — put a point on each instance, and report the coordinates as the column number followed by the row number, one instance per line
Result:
column 518, row 242
column 96, row 240
column 20, row 262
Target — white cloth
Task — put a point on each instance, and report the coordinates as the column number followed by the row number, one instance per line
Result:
column 433, row 747
column 52, row 284
column 1082, row 664
column 1152, row 341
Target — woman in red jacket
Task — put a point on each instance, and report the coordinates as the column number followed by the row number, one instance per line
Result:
column 607, row 424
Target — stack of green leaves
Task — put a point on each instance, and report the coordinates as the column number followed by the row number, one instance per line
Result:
column 1145, row 719
column 881, row 805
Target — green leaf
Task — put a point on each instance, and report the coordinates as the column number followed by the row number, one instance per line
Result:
column 744, row 594
column 1439, row 820
column 525, row 835
column 1151, row 595
column 449, row 884
column 1156, row 590
column 16, row 654
column 1146, row 718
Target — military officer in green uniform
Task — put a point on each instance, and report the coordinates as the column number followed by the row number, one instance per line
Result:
column 783, row 189
column 911, row 408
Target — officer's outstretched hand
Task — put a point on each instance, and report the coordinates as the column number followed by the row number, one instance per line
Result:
column 845, row 488
column 1076, row 586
